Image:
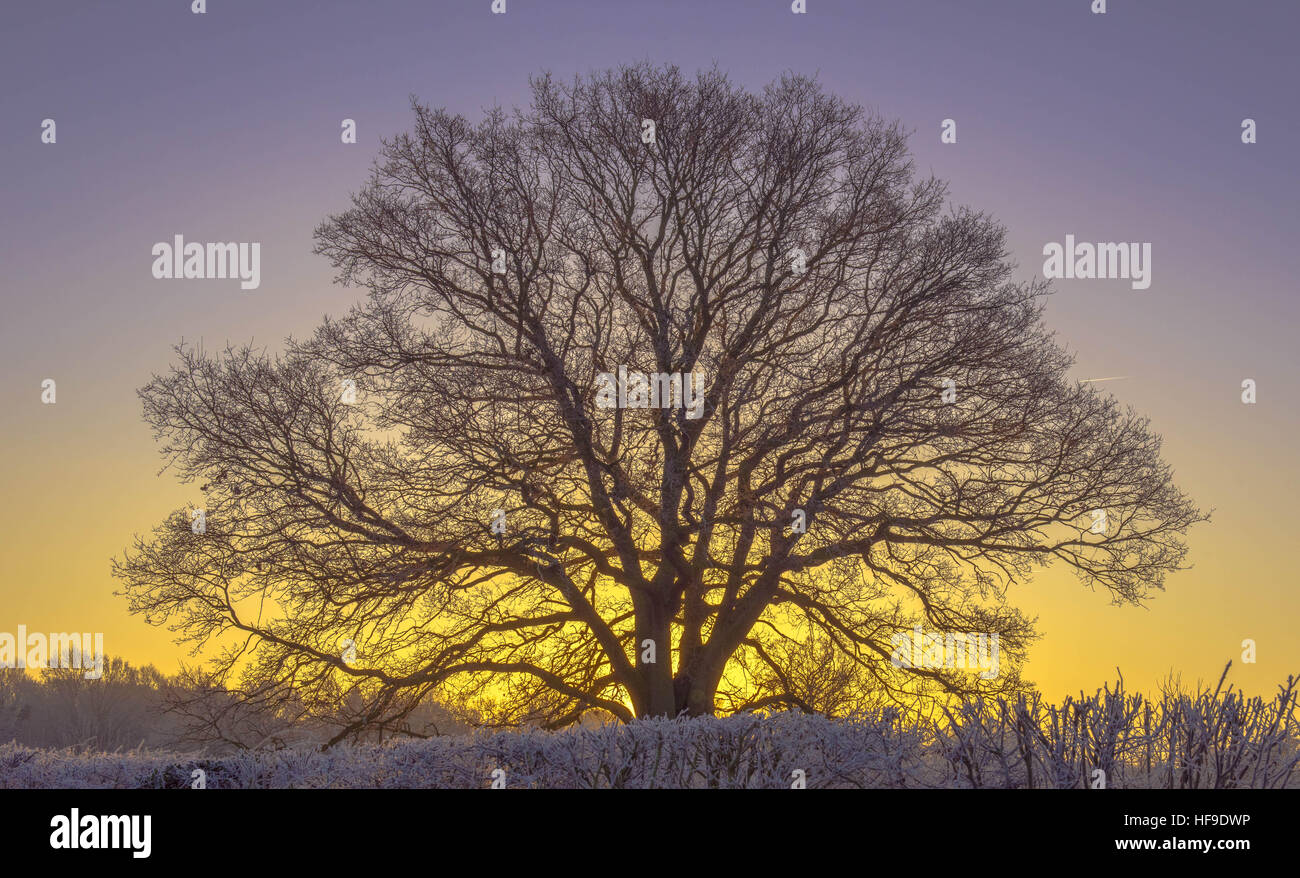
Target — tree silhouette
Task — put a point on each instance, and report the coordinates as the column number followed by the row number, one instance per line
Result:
column 886, row 436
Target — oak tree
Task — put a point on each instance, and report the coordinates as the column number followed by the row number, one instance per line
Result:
column 887, row 435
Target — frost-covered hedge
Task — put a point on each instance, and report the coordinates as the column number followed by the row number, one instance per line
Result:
column 1207, row 740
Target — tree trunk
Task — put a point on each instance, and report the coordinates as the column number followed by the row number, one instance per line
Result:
column 657, row 676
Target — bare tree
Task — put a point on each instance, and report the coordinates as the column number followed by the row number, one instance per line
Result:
column 119, row 710
column 886, row 434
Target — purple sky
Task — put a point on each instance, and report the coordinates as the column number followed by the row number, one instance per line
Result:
column 225, row 127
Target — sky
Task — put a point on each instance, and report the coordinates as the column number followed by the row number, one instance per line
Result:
column 225, row 126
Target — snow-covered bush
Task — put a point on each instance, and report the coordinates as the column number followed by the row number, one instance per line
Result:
column 1209, row 739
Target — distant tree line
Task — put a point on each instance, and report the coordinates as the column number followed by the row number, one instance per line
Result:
column 134, row 707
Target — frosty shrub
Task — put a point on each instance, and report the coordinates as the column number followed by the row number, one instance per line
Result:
column 1210, row 739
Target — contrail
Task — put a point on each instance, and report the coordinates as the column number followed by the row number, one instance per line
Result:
column 1114, row 378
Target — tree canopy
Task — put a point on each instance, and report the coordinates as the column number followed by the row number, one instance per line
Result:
column 887, row 436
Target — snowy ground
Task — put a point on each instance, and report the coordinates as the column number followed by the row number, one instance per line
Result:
column 1183, row 742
